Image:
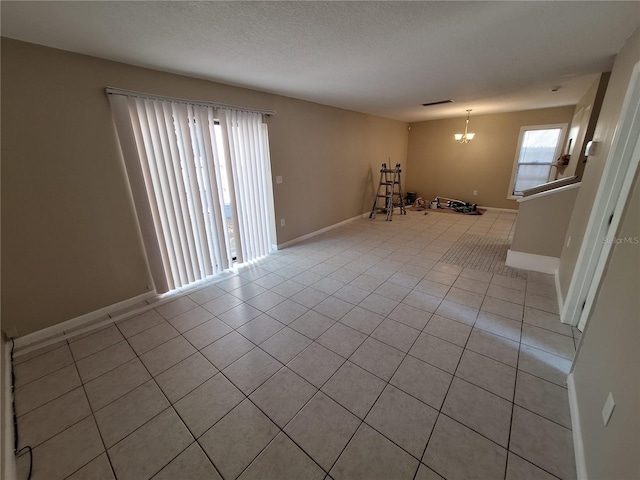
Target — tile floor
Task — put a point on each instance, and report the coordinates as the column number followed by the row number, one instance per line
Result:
column 356, row 354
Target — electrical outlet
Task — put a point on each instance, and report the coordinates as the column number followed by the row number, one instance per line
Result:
column 282, row 222
column 279, row 179
column 607, row 410
column 475, row 192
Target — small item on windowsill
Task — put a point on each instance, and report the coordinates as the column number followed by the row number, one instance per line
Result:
column 563, row 161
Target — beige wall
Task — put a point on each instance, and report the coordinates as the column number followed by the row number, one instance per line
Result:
column 437, row 165
column 70, row 239
column 542, row 223
column 608, row 360
column 604, row 132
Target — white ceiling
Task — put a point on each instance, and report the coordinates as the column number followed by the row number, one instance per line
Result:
column 382, row 58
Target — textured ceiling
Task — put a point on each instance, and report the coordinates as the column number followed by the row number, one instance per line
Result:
column 382, row 58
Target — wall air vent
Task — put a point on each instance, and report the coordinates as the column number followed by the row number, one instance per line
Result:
column 436, row 103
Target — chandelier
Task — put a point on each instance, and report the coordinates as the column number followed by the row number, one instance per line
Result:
column 465, row 137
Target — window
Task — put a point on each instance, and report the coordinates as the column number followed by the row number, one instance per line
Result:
column 538, row 148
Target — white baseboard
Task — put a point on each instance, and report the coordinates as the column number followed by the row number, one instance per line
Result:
column 318, row 232
column 495, row 209
column 56, row 332
column 9, row 469
column 578, row 445
column 533, row 262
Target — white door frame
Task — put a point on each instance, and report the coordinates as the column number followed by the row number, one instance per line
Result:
column 608, row 207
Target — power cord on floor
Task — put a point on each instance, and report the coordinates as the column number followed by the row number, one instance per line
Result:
column 21, row 451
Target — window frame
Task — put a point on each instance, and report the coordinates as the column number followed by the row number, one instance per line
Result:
column 563, row 134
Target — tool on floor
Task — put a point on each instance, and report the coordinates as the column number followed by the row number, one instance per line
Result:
column 455, row 205
column 389, row 189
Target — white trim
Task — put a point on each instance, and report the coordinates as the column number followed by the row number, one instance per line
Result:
column 553, row 191
column 318, row 232
column 614, row 188
column 9, row 470
column 533, row 262
column 559, row 293
column 576, row 430
column 495, row 209
column 46, row 334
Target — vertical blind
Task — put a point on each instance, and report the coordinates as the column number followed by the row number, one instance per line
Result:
column 201, row 184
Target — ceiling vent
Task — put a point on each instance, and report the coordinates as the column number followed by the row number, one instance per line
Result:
column 436, row 103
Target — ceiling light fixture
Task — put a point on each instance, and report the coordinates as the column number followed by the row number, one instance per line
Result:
column 465, row 137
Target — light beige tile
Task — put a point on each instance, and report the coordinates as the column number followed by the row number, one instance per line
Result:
column 185, row 376
column 62, row 455
column 221, row 304
column 549, row 321
column 423, row 381
column 378, row 358
column 206, row 294
column 411, row 316
column 167, row 355
column 190, row 319
column 139, row 323
column 99, row 363
column 544, row 398
column 403, row 419
column 507, row 294
column 494, row 346
column 437, row 352
column 260, row 328
column 266, row 300
column 449, row 330
column 238, row 438
column 283, row 395
column 465, row 297
column 333, row 307
column 152, row 337
column 20, row 357
column 354, row 388
column 97, row 469
column 544, row 365
column 543, row 443
column 541, row 302
column 498, row 325
column 370, row 455
column 176, row 307
column 322, row 429
column 423, row 301
column 239, row 315
column 228, row 349
column 43, row 390
column 287, row 311
column 455, row 451
column 486, row 373
column 121, row 417
column 191, row 464
column 115, row 383
column 42, row 365
column 503, row 308
column 482, row 411
column 548, row 341
column 207, row 333
column 341, row 339
column 208, row 403
column 457, row 312
column 316, row 364
column 362, row 320
column 396, row 334
column 285, row 344
column 250, row 371
column 141, row 455
column 520, row 469
column 95, row 342
column 282, row 459
column 312, row 324
column 44, row 422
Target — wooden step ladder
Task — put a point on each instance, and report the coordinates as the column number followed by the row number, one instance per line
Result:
column 389, row 189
